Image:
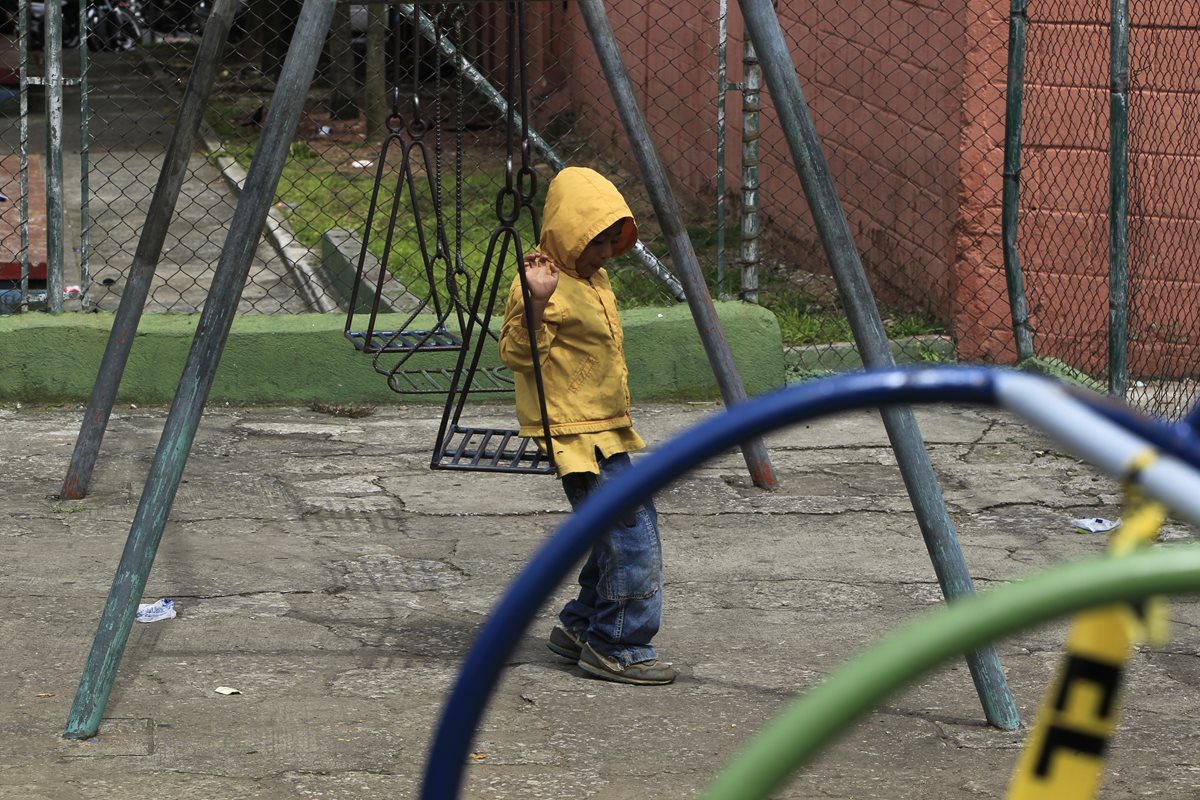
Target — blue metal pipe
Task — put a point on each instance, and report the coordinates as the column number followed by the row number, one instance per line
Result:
column 545, row 571
column 1068, row 416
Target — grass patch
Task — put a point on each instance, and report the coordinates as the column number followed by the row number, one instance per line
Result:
column 320, row 190
column 807, row 318
column 323, row 187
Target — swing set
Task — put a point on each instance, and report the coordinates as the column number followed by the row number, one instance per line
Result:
column 399, row 354
column 458, row 322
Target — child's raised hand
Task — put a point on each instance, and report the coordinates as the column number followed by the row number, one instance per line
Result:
column 541, row 275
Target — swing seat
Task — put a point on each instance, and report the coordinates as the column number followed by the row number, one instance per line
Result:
column 438, row 340
column 491, row 450
column 442, row 381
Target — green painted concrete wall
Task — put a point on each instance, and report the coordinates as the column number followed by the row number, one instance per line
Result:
column 305, row 358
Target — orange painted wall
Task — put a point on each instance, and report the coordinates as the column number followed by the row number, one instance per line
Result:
column 889, row 123
column 908, row 99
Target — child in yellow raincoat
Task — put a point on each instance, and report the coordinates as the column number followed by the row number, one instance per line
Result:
column 608, row 627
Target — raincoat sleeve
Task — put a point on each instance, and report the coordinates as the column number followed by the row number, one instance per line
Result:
column 515, row 351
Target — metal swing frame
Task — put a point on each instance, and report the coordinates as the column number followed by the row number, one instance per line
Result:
column 458, row 446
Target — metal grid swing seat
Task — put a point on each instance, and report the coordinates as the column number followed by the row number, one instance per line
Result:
column 465, row 447
column 412, row 225
column 404, row 353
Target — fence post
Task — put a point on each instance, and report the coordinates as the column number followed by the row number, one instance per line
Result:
column 149, row 250
column 55, row 215
column 669, row 216
column 762, row 26
column 212, row 331
column 1118, row 215
column 723, row 87
column 1014, row 107
column 751, row 117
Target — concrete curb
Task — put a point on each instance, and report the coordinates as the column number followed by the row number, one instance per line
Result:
column 826, row 359
column 305, row 358
column 297, row 259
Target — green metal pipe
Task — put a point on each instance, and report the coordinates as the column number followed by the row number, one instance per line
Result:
column 199, row 371
column 26, row 80
column 811, row 723
column 85, row 138
column 1118, row 186
column 149, row 250
column 1014, row 107
column 762, row 27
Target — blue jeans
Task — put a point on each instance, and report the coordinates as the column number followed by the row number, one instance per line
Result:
column 619, row 606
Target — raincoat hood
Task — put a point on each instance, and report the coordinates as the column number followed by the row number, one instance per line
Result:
column 580, row 204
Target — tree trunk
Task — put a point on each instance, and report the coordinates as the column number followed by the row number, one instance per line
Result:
column 377, row 103
column 280, row 21
column 342, row 99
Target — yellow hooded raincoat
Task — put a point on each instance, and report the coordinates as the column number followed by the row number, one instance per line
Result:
column 580, row 345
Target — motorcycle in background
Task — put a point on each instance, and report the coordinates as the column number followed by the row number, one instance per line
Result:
column 111, row 25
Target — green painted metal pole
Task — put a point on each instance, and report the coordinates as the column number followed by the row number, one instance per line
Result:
column 666, row 208
column 1014, row 107
column 85, row 138
column 812, row 722
column 26, row 80
column 211, row 334
column 762, row 26
column 149, row 249
column 1118, row 215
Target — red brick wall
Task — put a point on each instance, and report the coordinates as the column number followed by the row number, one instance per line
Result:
column 979, row 310
column 908, row 99
column 669, row 53
column 882, row 79
column 889, row 119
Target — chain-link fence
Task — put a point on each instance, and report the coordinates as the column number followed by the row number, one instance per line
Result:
column 887, row 90
column 385, row 65
column 1113, row 294
column 1164, row 207
column 908, row 99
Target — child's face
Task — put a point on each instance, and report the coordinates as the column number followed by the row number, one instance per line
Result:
column 599, row 250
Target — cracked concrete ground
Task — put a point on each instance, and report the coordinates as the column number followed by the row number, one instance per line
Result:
column 320, row 568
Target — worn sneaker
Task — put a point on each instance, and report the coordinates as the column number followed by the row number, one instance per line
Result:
column 641, row 673
column 564, row 643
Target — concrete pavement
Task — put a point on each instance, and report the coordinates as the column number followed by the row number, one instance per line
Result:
column 320, row 568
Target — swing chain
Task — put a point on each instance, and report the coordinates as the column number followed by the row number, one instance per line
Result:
column 458, row 19
column 440, row 253
column 526, row 177
column 416, row 124
column 509, row 199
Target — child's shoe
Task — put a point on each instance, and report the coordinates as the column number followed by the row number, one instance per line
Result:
column 564, row 643
column 641, row 673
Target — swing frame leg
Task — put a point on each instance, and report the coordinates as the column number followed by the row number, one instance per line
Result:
column 762, row 27
column 149, row 250
column 683, row 255
column 183, row 419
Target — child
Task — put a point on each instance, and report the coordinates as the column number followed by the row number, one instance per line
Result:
column 607, row 629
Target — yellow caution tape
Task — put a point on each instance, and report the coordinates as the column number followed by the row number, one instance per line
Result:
column 1064, row 754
